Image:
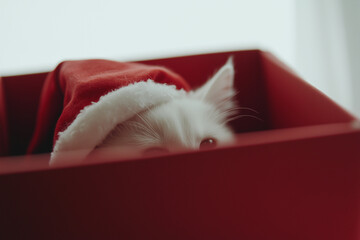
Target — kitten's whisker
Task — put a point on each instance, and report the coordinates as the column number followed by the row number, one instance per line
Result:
column 145, row 133
column 244, row 108
column 231, row 98
column 236, row 93
column 140, row 126
column 247, row 108
column 150, row 128
column 242, row 116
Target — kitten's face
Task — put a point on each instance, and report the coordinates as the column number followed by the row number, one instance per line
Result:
column 179, row 125
column 196, row 121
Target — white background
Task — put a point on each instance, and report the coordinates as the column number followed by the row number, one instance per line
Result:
column 317, row 38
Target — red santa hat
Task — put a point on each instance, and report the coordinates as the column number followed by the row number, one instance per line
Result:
column 85, row 100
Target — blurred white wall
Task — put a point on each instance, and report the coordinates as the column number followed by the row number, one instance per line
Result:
column 351, row 13
column 327, row 48
column 37, row 34
column 317, row 38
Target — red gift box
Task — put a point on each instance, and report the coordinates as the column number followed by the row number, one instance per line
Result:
column 294, row 174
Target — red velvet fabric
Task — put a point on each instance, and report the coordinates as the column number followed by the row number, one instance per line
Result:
column 76, row 84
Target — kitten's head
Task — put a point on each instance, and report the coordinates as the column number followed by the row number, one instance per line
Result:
column 196, row 121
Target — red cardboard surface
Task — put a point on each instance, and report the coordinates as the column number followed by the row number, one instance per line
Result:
column 20, row 98
column 293, row 175
column 4, row 149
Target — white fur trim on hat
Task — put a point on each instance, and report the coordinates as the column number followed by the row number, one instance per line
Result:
column 96, row 121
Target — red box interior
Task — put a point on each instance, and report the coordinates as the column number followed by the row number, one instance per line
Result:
column 292, row 175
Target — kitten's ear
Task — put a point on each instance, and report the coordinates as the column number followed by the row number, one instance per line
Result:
column 219, row 89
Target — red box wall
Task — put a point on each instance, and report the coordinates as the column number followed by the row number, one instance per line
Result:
column 294, row 175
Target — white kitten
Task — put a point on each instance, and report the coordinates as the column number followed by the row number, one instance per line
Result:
column 196, row 121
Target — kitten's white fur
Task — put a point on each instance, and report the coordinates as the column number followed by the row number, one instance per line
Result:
column 182, row 123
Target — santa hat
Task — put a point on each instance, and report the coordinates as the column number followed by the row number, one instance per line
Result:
column 85, row 100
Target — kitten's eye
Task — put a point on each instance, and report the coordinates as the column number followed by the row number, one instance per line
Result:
column 208, row 143
column 155, row 151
